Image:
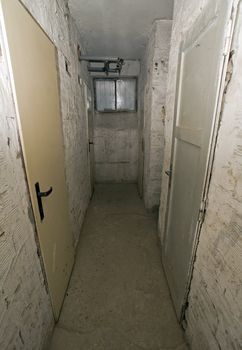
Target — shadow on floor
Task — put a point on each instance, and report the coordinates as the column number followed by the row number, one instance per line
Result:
column 118, row 297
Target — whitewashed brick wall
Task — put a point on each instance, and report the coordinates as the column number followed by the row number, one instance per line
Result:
column 153, row 93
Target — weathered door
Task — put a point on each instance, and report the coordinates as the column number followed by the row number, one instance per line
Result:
column 89, row 115
column 141, row 157
column 202, row 61
column 32, row 61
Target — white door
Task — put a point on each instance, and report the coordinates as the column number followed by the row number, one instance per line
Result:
column 35, row 83
column 90, row 126
column 202, row 63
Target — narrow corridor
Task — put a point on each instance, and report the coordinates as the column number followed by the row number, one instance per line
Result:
column 118, row 296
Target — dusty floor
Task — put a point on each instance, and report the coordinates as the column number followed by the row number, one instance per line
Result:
column 118, row 298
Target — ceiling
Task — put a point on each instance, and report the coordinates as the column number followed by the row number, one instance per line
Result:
column 117, row 27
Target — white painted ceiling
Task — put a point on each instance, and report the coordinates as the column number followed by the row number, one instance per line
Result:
column 118, row 27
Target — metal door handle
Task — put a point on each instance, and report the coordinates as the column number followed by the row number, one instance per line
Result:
column 39, row 195
column 45, row 194
column 168, row 172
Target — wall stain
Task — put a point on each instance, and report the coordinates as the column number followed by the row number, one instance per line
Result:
column 7, row 302
column 229, row 71
column 31, row 215
column 3, row 193
column 18, row 155
column 21, row 337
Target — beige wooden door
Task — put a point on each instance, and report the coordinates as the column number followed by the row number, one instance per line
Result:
column 33, row 65
column 202, row 63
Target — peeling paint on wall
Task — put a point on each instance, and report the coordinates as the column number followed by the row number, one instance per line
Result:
column 153, row 95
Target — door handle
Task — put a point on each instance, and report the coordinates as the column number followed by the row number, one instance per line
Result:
column 39, row 195
column 169, row 174
column 89, row 146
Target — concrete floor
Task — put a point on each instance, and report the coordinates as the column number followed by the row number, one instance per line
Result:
column 118, row 297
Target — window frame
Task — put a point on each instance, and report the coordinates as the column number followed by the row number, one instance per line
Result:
column 115, row 79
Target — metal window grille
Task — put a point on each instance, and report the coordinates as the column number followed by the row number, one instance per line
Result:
column 115, row 95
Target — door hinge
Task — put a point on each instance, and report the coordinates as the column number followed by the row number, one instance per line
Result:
column 202, row 211
column 228, row 37
column 89, row 145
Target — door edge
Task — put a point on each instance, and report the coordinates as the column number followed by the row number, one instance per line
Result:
column 211, row 154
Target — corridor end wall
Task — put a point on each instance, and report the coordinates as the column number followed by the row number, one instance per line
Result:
column 116, row 138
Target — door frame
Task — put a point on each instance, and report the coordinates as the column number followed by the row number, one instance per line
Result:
column 6, row 51
column 86, row 101
column 212, row 144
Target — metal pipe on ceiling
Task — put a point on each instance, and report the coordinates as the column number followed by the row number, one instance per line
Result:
column 99, row 59
column 102, row 70
column 107, row 61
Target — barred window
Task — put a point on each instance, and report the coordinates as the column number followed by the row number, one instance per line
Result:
column 115, row 95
